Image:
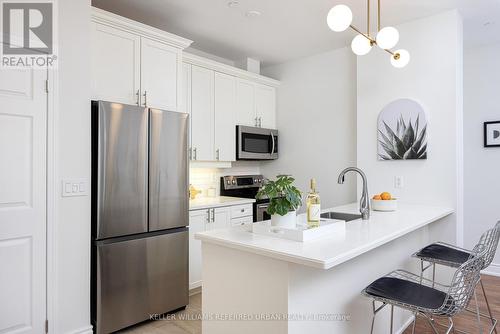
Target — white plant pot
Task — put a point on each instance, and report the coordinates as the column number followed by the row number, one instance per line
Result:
column 289, row 220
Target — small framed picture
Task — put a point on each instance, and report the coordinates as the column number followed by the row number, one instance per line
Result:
column 492, row 134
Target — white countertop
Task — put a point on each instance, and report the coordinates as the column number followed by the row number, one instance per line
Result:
column 215, row 202
column 330, row 251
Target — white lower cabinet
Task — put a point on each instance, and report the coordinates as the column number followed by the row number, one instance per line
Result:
column 197, row 221
column 207, row 220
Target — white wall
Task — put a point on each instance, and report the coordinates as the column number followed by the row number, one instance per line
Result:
column 69, row 311
column 434, row 79
column 316, row 120
column 482, row 184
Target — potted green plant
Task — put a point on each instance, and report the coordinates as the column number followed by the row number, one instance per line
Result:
column 284, row 200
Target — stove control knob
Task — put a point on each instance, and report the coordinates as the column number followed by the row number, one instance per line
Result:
column 255, row 180
column 228, row 181
column 234, row 182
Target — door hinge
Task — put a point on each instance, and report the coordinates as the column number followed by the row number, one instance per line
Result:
column 46, row 86
column 46, row 326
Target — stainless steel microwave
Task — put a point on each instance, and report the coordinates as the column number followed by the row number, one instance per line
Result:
column 256, row 143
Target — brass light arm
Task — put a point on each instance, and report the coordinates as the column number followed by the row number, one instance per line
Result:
column 361, row 33
column 368, row 18
column 378, row 8
column 374, row 42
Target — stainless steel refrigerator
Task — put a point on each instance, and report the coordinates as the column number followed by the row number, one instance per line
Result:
column 139, row 245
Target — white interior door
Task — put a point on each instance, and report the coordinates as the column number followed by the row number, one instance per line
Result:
column 115, row 64
column 202, row 113
column 225, row 127
column 159, row 64
column 23, row 113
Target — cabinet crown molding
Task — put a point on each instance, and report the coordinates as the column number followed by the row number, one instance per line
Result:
column 117, row 21
column 192, row 59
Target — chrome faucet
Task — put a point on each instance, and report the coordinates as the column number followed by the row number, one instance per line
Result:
column 364, row 204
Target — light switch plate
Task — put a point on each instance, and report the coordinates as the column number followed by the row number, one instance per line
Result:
column 75, row 187
column 398, row 182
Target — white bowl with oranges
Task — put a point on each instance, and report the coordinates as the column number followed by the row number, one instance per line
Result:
column 384, row 202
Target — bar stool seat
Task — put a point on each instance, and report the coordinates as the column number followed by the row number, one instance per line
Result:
column 440, row 252
column 407, row 292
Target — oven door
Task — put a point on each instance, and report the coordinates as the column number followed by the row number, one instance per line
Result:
column 261, row 212
column 256, row 143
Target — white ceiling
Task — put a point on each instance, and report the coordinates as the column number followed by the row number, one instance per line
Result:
column 289, row 29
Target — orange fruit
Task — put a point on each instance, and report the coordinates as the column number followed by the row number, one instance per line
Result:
column 377, row 197
column 385, row 196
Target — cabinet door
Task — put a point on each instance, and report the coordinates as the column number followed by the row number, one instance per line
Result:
column 265, row 101
column 115, row 64
column 202, row 114
column 159, row 64
column 245, row 103
column 197, row 221
column 185, row 102
column 221, row 218
column 225, row 105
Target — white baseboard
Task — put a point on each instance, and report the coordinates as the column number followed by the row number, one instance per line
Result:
column 405, row 325
column 493, row 270
column 83, row 330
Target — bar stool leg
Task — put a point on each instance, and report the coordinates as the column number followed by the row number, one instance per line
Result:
column 478, row 314
column 414, row 324
column 433, row 274
column 488, row 305
column 392, row 318
column 373, row 317
column 429, row 320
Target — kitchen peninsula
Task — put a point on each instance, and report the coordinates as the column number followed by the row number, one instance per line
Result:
column 311, row 287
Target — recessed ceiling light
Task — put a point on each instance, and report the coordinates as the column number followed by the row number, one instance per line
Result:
column 489, row 23
column 233, row 3
column 253, row 13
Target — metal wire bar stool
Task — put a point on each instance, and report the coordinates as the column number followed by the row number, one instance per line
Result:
column 425, row 297
column 452, row 256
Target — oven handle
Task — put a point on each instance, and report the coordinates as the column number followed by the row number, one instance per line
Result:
column 272, row 137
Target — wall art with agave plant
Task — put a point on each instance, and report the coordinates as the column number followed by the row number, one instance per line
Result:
column 402, row 131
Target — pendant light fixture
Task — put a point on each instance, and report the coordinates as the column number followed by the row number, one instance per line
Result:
column 339, row 18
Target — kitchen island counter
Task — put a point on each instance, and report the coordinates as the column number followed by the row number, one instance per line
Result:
column 261, row 284
column 329, row 251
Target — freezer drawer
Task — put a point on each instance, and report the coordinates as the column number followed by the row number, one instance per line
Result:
column 120, row 168
column 139, row 277
column 168, row 170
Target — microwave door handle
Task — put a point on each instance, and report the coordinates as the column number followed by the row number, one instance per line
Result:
column 272, row 138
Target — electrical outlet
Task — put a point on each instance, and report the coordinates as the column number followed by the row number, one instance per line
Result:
column 75, row 187
column 398, row 182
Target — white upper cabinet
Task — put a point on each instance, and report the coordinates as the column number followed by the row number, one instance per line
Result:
column 265, row 106
column 159, row 66
column 219, row 97
column 202, row 114
column 256, row 104
column 245, row 103
column 134, row 63
column 185, row 101
column 115, row 64
column 225, row 129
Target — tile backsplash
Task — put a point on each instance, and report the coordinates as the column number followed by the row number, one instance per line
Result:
column 205, row 178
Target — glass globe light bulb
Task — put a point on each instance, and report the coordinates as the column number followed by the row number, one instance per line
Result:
column 400, row 59
column 361, row 45
column 339, row 18
column 387, row 38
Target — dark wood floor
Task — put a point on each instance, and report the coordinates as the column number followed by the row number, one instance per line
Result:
column 468, row 322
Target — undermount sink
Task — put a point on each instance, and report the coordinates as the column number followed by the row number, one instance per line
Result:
column 340, row 216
